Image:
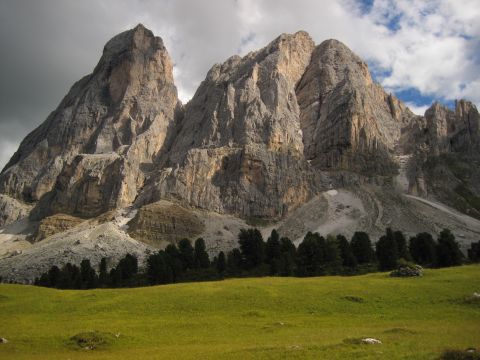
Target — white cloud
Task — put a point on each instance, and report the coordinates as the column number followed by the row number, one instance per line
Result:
column 416, row 109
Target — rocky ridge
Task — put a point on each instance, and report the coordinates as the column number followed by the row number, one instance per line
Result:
column 264, row 138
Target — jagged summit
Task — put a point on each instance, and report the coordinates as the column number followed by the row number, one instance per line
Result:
column 292, row 102
column 121, row 110
column 264, row 137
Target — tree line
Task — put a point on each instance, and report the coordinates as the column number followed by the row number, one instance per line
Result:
column 278, row 256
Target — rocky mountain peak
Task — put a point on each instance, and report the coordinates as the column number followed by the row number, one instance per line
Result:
column 348, row 121
column 259, row 137
column 120, row 112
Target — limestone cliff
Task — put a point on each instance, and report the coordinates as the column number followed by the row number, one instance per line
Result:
column 348, row 121
column 104, row 134
column 447, row 158
column 238, row 148
column 263, row 134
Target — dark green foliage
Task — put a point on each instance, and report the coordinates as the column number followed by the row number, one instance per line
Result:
column 460, row 355
column 402, row 249
column 200, row 254
column 474, row 252
column 423, row 249
column 87, row 274
column 127, row 267
column 287, row 247
column 159, row 270
column 272, row 247
column 278, row 256
column 333, row 259
column 186, row 254
column 53, row 276
column 234, row 261
column 346, row 253
column 387, row 251
column 252, row 248
column 174, row 261
column 311, row 255
column 221, row 264
column 448, row 251
column 362, row 248
column 102, row 273
column 273, row 253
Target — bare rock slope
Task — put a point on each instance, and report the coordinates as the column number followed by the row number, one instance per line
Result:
column 295, row 134
column 91, row 153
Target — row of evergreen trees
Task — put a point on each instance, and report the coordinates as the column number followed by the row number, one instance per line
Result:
column 278, row 256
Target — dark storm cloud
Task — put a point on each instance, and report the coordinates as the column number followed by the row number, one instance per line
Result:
column 45, row 47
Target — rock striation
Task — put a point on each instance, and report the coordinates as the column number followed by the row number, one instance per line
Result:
column 263, row 135
column 238, row 147
column 349, row 122
column 92, row 152
column 164, row 222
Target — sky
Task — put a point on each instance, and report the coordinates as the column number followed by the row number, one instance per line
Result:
column 420, row 50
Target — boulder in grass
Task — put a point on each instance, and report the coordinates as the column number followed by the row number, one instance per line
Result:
column 371, row 341
column 3, row 340
column 407, row 270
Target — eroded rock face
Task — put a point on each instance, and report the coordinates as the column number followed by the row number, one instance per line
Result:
column 122, row 109
column 239, row 148
column 446, row 157
column 12, row 210
column 348, row 121
column 263, row 134
column 55, row 224
column 164, row 222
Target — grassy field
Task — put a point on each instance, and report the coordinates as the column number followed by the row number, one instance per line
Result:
column 263, row 318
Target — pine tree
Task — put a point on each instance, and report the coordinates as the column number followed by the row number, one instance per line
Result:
column 186, row 254
column 402, row 248
column 423, row 249
column 103, row 273
column 272, row 247
column 234, row 261
column 448, row 251
column 174, row 262
column 53, row 277
column 87, row 275
column 200, row 254
column 252, row 248
column 287, row 260
column 346, row 253
column 311, row 255
column 126, row 269
column 158, row 269
column 362, row 248
column 221, row 263
column 474, row 252
column 333, row 260
column 387, row 251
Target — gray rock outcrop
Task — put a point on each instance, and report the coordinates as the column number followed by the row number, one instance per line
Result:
column 263, row 135
column 349, row 122
column 103, row 136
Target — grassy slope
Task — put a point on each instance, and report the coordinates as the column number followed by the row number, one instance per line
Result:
column 271, row 318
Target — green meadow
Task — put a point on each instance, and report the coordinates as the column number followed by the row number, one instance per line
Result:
column 254, row 318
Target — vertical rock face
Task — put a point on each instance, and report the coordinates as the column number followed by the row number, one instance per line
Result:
column 452, row 130
column 348, row 121
column 116, row 118
column 238, row 148
column 248, row 100
column 446, row 156
column 262, row 135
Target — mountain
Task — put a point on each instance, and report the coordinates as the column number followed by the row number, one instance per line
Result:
column 91, row 153
column 295, row 136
